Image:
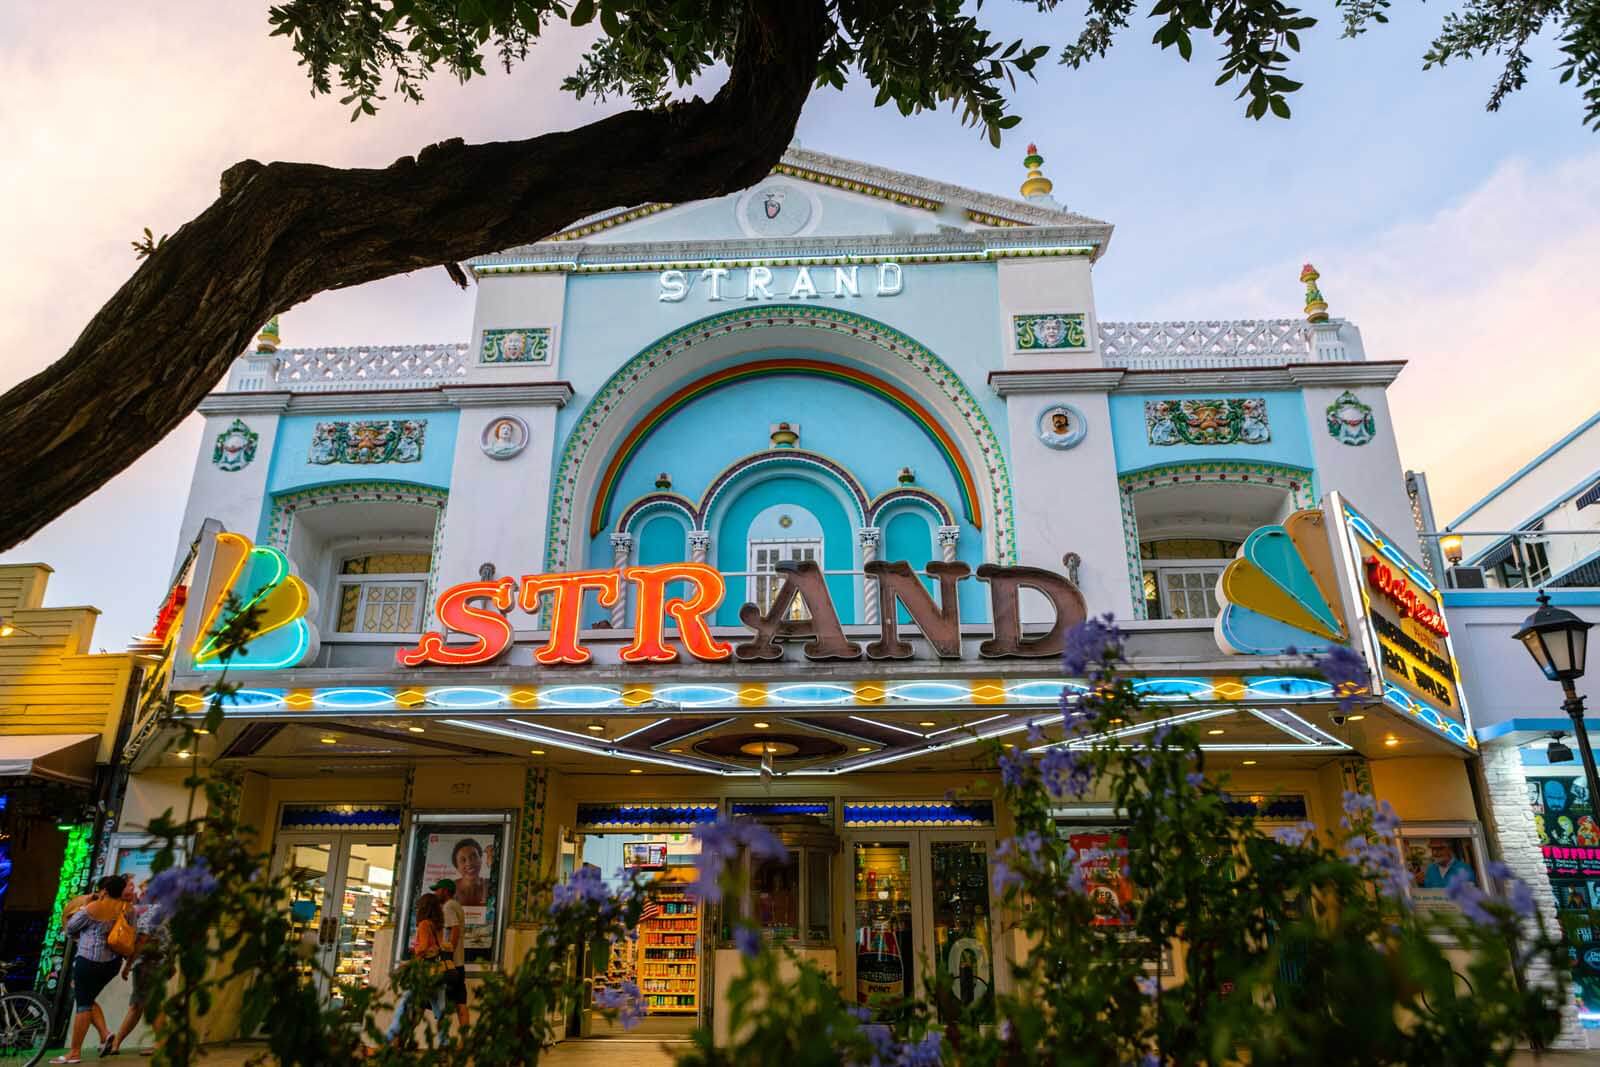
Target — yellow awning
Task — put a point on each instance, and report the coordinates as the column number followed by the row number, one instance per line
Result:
column 60, row 757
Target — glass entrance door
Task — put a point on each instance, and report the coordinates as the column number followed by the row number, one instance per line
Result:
column 922, row 907
column 344, row 888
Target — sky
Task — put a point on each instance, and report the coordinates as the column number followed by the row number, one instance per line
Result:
column 1457, row 240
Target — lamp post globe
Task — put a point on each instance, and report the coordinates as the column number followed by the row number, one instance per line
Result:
column 1558, row 641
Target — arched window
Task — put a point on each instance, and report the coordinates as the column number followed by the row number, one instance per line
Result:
column 1185, row 526
column 783, row 533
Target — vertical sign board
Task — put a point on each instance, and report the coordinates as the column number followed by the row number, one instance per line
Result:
column 1399, row 625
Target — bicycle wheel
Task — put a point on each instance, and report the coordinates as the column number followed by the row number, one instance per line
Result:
column 24, row 1029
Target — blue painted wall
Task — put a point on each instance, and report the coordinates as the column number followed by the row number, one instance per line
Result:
column 292, row 468
column 907, row 536
column 1290, row 442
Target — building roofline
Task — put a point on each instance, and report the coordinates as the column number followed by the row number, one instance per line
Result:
column 1526, row 469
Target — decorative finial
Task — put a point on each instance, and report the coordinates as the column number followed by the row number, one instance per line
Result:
column 907, row 476
column 663, row 480
column 267, row 339
column 1316, row 307
column 785, row 435
column 1036, row 184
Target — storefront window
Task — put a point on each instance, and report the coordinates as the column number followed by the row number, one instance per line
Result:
column 885, row 961
column 1563, row 816
column 819, row 897
column 964, row 956
column 775, row 890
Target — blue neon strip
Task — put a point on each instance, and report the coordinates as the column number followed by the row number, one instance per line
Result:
column 782, row 807
column 871, row 814
column 624, row 816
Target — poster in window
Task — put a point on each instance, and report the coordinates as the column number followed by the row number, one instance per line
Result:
column 1435, row 857
column 469, row 854
column 1101, row 859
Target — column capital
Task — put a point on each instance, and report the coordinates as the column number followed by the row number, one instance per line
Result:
column 870, row 536
column 948, row 535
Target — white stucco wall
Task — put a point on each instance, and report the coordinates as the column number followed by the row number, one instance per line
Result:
column 233, row 498
column 1370, row 476
column 1039, row 286
column 514, row 301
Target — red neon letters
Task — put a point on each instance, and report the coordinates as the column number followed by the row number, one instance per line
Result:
column 492, row 634
column 490, row 630
column 652, row 607
column 1405, row 599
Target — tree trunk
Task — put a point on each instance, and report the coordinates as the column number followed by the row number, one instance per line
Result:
column 283, row 232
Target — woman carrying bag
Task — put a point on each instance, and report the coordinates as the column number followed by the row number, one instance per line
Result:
column 96, row 921
column 427, row 945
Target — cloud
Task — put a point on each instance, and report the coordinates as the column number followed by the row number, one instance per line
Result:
column 1490, row 300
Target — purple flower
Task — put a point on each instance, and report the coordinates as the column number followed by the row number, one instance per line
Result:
column 1035, row 733
column 1031, row 843
column 1293, row 836
column 1013, row 768
column 720, row 844
column 583, row 888
column 1385, row 820
column 747, row 939
column 924, row 1053
column 1149, row 986
column 1065, row 772
column 1195, row 779
column 1520, row 898
column 1344, row 669
column 168, row 889
column 1003, row 877
column 624, row 999
column 1464, row 894
column 1091, row 646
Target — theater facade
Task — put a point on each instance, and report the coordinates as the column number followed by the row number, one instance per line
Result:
column 777, row 506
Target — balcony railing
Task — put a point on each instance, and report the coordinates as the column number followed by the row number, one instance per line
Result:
column 353, row 368
column 1243, row 343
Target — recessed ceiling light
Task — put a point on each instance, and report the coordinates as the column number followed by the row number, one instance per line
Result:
column 761, row 725
column 329, row 740
column 417, row 729
column 183, row 753
column 1249, row 763
column 201, row 730
column 1010, row 745
column 676, row 751
column 1216, row 731
column 1391, row 741
column 595, row 727
column 536, row 751
column 1355, row 718
column 1116, row 722
column 925, row 723
column 863, row 748
column 635, row 770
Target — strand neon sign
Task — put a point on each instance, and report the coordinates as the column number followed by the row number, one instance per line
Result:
column 478, row 612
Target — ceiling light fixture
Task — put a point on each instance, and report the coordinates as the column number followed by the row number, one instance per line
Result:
column 635, row 770
column 1354, row 718
column 183, row 753
column 863, row 748
column 1249, row 763
column 596, row 728
column 329, row 740
column 417, row 729
column 1391, row 741
column 536, row 751
column 1216, row 731
column 761, row 725
column 925, row 724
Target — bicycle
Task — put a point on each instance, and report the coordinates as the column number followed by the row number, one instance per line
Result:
column 24, row 1026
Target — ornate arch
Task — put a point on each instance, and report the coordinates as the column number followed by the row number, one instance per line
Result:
column 782, row 457
column 1297, row 482
column 285, row 506
column 651, row 503
column 907, row 493
column 992, row 498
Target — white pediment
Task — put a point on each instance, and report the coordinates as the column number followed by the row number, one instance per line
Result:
column 813, row 196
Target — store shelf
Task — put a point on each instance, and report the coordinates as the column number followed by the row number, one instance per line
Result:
column 669, row 954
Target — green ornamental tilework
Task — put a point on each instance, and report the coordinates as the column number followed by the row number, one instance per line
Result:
column 368, row 441
column 563, row 494
column 1048, row 332
column 530, row 845
column 1207, row 421
column 521, row 345
column 235, row 447
column 1298, row 480
column 1351, row 422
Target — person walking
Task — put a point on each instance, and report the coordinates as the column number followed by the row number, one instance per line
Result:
column 94, row 964
column 426, row 944
column 145, row 967
column 455, row 944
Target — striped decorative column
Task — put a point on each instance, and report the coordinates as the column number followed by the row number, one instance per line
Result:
column 949, row 537
column 621, row 555
column 699, row 545
column 870, row 537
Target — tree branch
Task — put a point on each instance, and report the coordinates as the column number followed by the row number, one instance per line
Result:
column 282, row 232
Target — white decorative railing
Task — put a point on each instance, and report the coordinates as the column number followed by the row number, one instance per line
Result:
column 1247, row 343
column 358, row 367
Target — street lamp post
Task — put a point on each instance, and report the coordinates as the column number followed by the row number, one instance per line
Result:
column 1558, row 641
